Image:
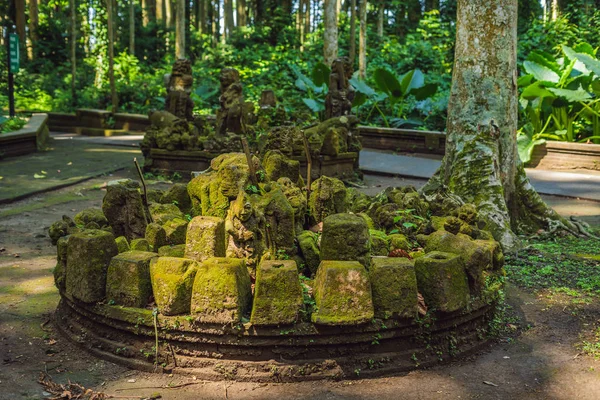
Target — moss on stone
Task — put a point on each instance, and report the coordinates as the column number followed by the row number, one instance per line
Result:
column 380, row 243
column 394, row 286
column 140, row 245
column 399, row 241
column 342, row 294
column 442, row 280
column 278, row 166
column 57, row 230
column 156, row 235
column 346, row 238
column 88, row 255
column 123, row 208
column 277, row 294
column 60, row 271
column 155, row 195
column 222, row 291
column 179, row 196
column 128, row 279
column 172, row 280
column 162, row 213
column 205, row 238
column 88, row 215
column 122, row 244
column 327, row 197
column 279, row 217
column 172, row 250
column 309, row 247
column 368, row 220
column 359, row 202
column 297, row 199
column 176, row 230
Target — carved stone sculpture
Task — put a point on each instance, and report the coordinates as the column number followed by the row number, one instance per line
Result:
column 341, row 94
column 178, row 100
column 230, row 118
column 246, row 228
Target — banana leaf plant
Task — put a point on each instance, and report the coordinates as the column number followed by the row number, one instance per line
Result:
column 315, row 87
column 558, row 97
column 396, row 91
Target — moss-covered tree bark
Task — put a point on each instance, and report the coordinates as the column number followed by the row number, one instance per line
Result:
column 481, row 164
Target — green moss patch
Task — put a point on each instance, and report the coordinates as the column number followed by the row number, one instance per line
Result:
column 172, row 280
column 128, row 279
column 394, row 286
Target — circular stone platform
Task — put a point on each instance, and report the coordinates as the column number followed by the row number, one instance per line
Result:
column 245, row 352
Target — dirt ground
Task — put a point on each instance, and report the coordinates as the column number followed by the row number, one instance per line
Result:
column 540, row 362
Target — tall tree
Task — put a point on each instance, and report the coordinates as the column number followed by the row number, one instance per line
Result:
column 132, row 27
column 20, row 23
column 169, row 13
column 362, row 40
column 160, row 11
column 481, row 163
column 73, row 43
column 241, row 12
column 380, row 17
column 33, row 28
column 180, row 30
column 352, row 50
column 111, row 54
column 145, row 17
column 228, row 16
column 330, row 39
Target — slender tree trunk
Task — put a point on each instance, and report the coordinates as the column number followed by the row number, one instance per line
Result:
column 352, row 50
column 160, row 11
column 73, row 43
column 481, row 165
column 33, row 28
column 228, row 10
column 330, row 40
column 216, row 22
column 111, row 54
column 145, row 18
column 20, row 23
column 432, row 5
column 241, row 12
column 307, row 26
column 180, row 30
column 414, row 13
column 338, row 8
column 362, row 40
column 169, row 13
column 380, row 18
column 555, row 10
column 132, row 27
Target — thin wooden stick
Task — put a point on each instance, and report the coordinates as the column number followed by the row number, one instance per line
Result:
column 148, row 216
column 249, row 160
column 308, row 164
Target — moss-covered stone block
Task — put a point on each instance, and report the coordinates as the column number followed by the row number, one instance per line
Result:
column 178, row 195
column 442, row 280
column 222, row 291
column 122, row 244
column 346, row 238
column 88, row 215
column 380, row 243
column 279, row 217
column 60, row 271
column 161, row 213
column 399, row 241
column 172, row 280
column 140, row 245
column 394, row 286
column 205, row 238
column 477, row 255
column 62, row 228
column 176, row 230
column 328, row 196
column 308, row 242
column 177, row 250
column 122, row 205
column 88, row 255
column 128, row 279
column 156, row 235
column 343, row 294
column 277, row 294
column 277, row 166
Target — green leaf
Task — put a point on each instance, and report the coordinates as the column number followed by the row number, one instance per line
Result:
column 525, row 80
column 540, row 72
column 590, row 62
column 314, row 105
column 412, row 80
column 301, row 85
column 544, row 59
column 525, row 146
column 362, row 87
column 573, row 55
column 571, row 95
column 359, row 99
column 320, row 74
column 39, row 176
column 425, row 91
column 584, row 48
column 409, row 225
column 536, row 90
column 387, row 83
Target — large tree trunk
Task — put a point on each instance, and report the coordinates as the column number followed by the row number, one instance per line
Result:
column 145, row 18
column 180, row 30
column 330, row 39
column 481, row 165
column 240, row 6
column 380, row 18
column 169, row 13
column 352, row 50
column 132, row 27
column 228, row 10
column 33, row 28
column 111, row 55
column 362, row 40
column 73, row 43
column 160, row 11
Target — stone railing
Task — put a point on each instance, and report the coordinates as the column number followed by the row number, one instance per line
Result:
column 29, row 139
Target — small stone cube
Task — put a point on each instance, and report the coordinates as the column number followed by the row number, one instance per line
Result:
column 128, row 279
column 205, row 238
column 394, row 286
column 346, row 238
column 172, row 280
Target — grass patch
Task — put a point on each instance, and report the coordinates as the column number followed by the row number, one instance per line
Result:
column 567, row 265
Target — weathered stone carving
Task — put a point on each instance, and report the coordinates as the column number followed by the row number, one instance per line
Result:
column 341, row 94
column 178, row 100
column 230, row 118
